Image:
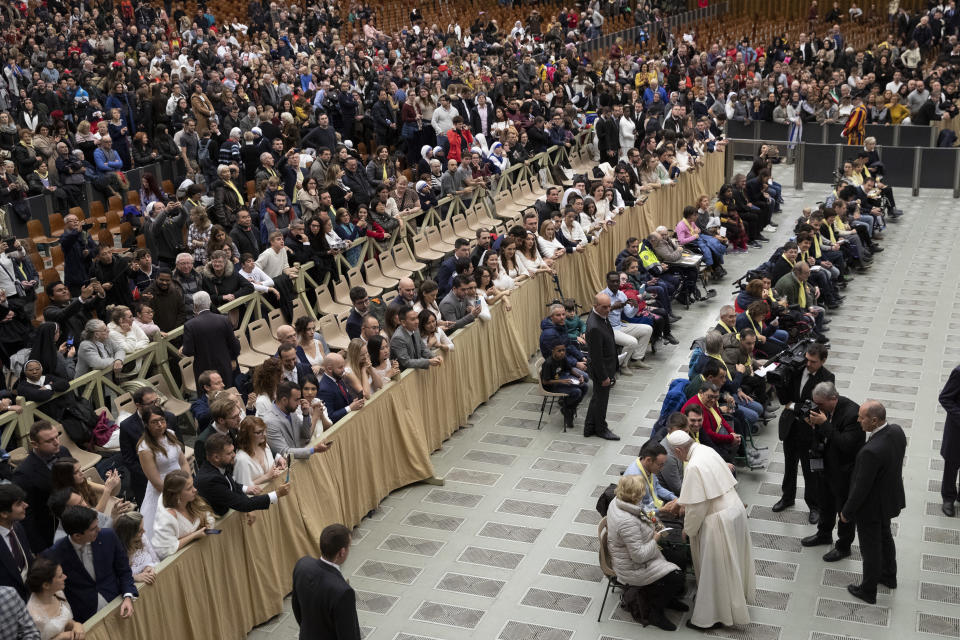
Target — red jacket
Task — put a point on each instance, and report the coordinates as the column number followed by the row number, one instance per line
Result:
column 456, row 139
column 710, row 424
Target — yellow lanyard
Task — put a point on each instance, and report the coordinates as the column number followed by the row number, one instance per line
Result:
column 657, row 502
column 229, row 183
column 724, row 325
column 718, row 421
column 689, row 226
column 720, row 360
column 385, row 178
column 833, row 239
column 802, row 296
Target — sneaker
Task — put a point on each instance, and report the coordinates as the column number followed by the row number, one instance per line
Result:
column 770, row 228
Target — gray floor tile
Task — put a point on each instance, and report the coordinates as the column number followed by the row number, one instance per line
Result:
column 556, row 601
column 448, row 615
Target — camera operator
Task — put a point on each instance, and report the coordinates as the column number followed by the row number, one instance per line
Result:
column 837, row 437
column 794, row 391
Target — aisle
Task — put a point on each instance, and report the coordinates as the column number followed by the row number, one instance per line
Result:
column 507, row 547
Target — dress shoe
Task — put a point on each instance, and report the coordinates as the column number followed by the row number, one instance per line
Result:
column 606, row 434
column 588, row 434
column 836, row 554
column 859, row 593
column 876, row 249
column 814, row 516
column 763, row 238
column 832, row 305
column 677, row 605
column 889, row 583
column 781, row 504
column 842, row 285
column 815, row 540
column 948, row 509
column 668, row 338
column 674, row 317
column 755, row 244
column 690, row 625
column 657, row 619
column 640, row 364
column 568, row 421
column 625, row 371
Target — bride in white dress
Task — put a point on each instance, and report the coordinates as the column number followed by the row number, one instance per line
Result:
column 159, row 453
column 47, row 605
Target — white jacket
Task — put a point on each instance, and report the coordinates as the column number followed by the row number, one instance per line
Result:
column 634, row 553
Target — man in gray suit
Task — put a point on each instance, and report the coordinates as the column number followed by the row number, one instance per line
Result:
column 456, row 308
column 406, row 345
column 288, row 431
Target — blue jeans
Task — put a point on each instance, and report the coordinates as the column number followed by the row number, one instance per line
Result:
column 751, row 411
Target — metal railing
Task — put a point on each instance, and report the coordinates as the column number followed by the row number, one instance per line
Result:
column 652, row 29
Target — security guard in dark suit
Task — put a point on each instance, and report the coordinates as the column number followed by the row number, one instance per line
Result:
column 837, row 440
column 797, row 435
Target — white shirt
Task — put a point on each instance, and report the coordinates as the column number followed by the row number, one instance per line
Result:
column 332, row 564
column 876, row 431
column 260, row 280
column 272, row 262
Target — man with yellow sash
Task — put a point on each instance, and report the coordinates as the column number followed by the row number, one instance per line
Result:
column 795, row 288
column 821, row 277
column 658, row 499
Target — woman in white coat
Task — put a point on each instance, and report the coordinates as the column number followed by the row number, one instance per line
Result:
column 183, row 517
column 632, row 538
column 628, row 131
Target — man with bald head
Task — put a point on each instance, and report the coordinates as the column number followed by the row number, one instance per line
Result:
column 407, row 293
column 333, row 391
column 287, row 336
column 876, row 495
column 601, row 367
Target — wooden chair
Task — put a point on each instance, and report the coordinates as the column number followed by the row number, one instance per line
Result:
column 133, row 197
column 186, row 374
column 97, row 209
column 42, row 302
column 38, row 235
column 261, row 340
column 548, row 396
column 55, row 220
column 56, row 254
column 114, row 221
column 126, row 232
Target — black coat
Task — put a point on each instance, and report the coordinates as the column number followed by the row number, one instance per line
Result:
column 209, row 338
column 602, row 348
column 792, row 392
column 223, row 493
column 843, row 437
column 324, row 605
column 608, row 138
column 950, row 401
column 876, row 487
column 9, row 572
column 33, row 476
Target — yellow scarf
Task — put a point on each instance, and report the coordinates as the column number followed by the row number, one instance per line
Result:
column 816, row 245
column 657, row 502
column 833, row 238
column 802, row 295
column 753, row 324
column 689, row 226
column 787, row 260
column 718, row 420
column 230, row 184
column 723, row 324
column 385, row 177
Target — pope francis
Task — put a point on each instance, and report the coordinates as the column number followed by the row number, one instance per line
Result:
column 715, row 521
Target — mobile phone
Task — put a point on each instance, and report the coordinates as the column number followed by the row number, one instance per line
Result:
column 665, row 529
column 213, row 532
column 10, row 242
column 69, row 341
column 289, row 461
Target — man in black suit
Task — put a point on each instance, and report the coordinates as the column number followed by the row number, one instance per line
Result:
column 217, row 486
column 950, row 445
column 209, row 338
column 224, row 419
column 15, row 555
column 797, row 436
column 33, row 476
column 130, row 431
column 291, row 369
column 95, row 563
column 323, row 602
column 608, row 137
column 601, row 367
column 838, row 436
column 482, row 116
column 876, row 496
column 361, row 304
column 461, row 251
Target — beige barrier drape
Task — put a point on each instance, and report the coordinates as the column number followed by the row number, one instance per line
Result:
column 223, row 586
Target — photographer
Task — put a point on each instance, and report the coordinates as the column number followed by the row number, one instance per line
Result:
column 793, row 390
column 837, row 437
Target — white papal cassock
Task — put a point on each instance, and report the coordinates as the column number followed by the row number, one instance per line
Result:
column 716, row 523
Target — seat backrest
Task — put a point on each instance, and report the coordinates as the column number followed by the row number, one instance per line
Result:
column 299, row 310
column 605, row 565
column 275, row 318
column 35, row 229
column 124, row 402
column 186, row 372
column 56, row 254
column 55, row 220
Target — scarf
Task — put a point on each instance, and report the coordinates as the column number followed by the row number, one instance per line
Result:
column 657, row 502
column 802, row 294
column 230, row 184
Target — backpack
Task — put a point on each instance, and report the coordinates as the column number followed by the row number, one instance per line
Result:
column 203, row 153
column 79, row 420
column 673, row 401
column 697, row 352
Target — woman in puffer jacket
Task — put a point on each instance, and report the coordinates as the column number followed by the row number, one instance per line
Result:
column 632, row 538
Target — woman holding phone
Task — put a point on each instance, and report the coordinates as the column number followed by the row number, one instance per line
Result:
column 185, row 516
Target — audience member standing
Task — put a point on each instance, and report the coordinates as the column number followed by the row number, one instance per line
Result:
column 876, row 496
column 33, row 476
column 324, row 604
column 950, row 445
column 601, row 367
column 15, row 555
column 209, row 338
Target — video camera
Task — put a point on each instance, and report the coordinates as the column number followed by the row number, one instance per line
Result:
column 790, row 362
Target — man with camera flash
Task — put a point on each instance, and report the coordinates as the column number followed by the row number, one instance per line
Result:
column 837, row 437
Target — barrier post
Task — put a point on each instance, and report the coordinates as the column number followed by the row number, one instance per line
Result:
column 798, row 159
column 915, row 186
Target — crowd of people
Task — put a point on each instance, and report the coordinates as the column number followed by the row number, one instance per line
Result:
column 353, row 137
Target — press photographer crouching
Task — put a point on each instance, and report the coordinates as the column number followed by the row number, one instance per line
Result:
column 793, row 382
column 837, row 437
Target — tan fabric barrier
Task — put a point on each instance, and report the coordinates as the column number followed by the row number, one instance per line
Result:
column 223, row 586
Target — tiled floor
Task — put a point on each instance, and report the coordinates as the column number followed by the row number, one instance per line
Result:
column 507, row 548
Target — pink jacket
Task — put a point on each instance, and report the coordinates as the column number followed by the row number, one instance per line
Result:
column 684, row 236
